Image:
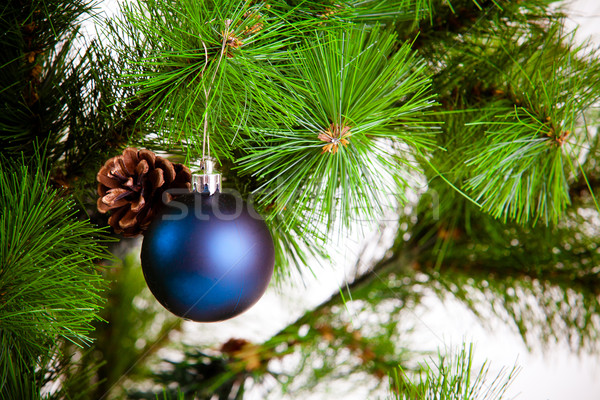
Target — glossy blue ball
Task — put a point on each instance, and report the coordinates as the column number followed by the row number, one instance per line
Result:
column 207, row 258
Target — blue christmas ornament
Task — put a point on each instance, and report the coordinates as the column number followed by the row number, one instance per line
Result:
column 207, row 257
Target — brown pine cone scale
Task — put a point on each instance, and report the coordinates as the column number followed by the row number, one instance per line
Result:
column 131, row 187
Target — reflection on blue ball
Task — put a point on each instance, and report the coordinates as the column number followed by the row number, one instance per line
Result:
column 207, row 258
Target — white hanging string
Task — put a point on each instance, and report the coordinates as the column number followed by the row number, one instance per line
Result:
column 206, row 135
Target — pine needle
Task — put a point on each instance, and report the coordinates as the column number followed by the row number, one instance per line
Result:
column 49, row 288
column 353, row 81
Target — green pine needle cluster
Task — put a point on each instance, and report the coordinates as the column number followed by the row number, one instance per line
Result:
column 357, row 84
column 58, row 90
column 268, row 82
column 189, row 72
column 276, row 83
column 49, row 287
column 534, row 136
column 523, row 114
column 37, row 36
column 452, row 377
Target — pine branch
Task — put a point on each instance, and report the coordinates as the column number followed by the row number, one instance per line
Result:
column 132, row 330
column 37, row 36
column 520, row 274
column 49, row 288
column 361, row 11
column 520, row 162
column 357, row 101
column 479, row 261
column 188, row 70
column 275, row 94
column 58, row 91
column 453, row 377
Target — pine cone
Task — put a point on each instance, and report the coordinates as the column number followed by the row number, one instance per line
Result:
column 131, row 187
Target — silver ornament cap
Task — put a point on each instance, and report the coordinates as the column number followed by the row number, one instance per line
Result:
column 207, row 180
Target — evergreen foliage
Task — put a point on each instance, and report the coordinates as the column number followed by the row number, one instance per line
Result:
column 58, row 91
column 474, row 120
column 49, row 284
column 138, row 326
column 452, row 377
column 357, row 87
column 36, row 41
column 526, row 276
column 527, row 95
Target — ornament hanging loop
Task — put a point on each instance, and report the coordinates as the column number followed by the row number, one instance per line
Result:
column 207, row 181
